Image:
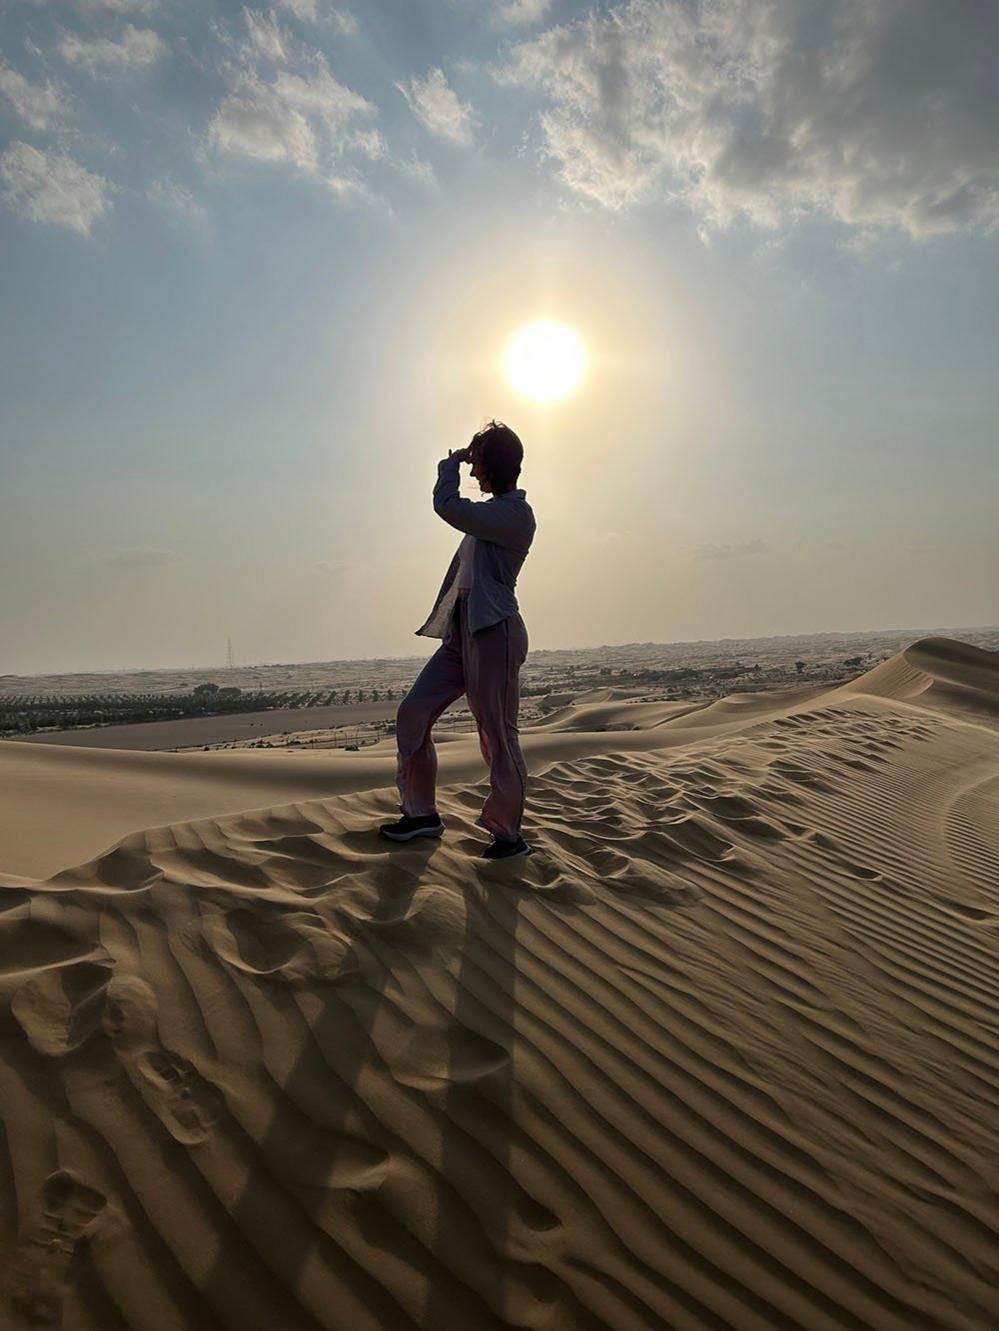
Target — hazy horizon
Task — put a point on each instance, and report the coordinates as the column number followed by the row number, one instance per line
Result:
column 220, row 666
column 260, row 265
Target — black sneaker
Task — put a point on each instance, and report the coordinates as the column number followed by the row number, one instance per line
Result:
column 407, row 828
column 501, row 849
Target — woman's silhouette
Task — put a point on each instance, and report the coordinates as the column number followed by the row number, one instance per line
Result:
column 484, row 644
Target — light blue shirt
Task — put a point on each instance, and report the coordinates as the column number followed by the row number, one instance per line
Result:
column 504, row 528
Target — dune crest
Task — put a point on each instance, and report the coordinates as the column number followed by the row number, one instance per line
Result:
column 939, row 673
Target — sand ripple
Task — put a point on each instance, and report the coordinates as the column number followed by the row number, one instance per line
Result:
column 722, row 1053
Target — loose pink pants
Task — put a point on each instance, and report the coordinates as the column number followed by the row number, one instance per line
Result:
column 486, row 667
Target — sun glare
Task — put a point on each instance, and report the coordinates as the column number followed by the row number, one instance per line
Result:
column 545, row 361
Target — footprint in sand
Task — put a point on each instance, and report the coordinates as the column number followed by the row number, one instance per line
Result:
column 966, row 910
column 741, row 815
column 633, row 876
column 353, row 1163
column 834, row 854
column 129, row 1016
column 125, row 868
column 608, row 861
column 781, row 794
column 186, row 1104
column 39, row 1267
column 858, row 764
column 272, row 944
column 761, row 829
column 860, row 871
column 448, row 1057
column 802, row 776
column 535, row 1217
column 687, row 838
column 798, row 830
column 60, row 1008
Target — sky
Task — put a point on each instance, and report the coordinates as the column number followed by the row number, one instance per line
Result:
column 259, row 267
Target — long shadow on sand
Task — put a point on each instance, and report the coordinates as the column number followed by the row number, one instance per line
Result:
column 475, row 1193
column 392, row 1204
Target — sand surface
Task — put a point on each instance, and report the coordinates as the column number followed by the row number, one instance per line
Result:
column 721, row 1053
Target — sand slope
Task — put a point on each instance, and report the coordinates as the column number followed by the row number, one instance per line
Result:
column 62, row 804
column 721, row 1054
column 951, row 677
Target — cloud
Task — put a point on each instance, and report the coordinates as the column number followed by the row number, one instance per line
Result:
column 177, row 201
column 313, row 11
column 437, row 106
column 136, row 48
column 302, row 120
column 52, row 187
column 520, row 13
column 256, row 123
column 299, row 114
column 118, row 6
column 41, row 106
column 107, row 6
column 417, row 169
column 877, row 115
column 141, row 556
column 753, row 547
column 264, row 36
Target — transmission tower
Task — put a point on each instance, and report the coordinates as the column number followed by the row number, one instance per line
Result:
column 228, row 652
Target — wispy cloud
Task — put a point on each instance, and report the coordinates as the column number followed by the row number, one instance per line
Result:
column 265, row 36
column 177, row 201
column 105, row 6
column 417, row 169
column 874, row 114
column 117, row 6
column 315, row 11
column 439, row 108
column 52, row 187
column 134, row 49
column 521, row 13
column 40, row 105
column 738, row 551
column 141, row 556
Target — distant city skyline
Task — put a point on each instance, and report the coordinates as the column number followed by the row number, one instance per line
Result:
column 260, row 267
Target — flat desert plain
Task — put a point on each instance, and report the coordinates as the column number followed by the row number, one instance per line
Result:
column 722, row 1053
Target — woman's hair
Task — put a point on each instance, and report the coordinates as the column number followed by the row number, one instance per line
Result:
column 501, row 454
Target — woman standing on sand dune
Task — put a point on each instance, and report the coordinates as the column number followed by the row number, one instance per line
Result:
column 484, row 646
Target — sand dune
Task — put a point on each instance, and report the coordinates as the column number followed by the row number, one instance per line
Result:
column 721, row 1054
column 62, row 804
column 947, row 676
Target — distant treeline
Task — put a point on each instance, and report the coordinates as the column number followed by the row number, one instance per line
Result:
column 23, row 715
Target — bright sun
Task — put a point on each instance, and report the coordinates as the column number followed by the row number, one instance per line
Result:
column 545, row 361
